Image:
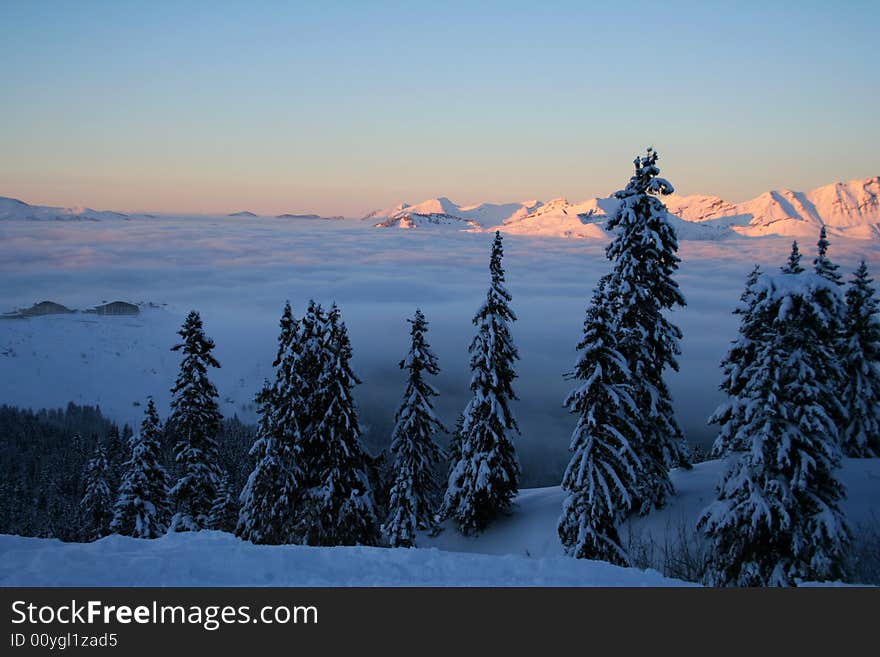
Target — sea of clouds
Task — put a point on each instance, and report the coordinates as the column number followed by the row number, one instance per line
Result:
column 239, row 271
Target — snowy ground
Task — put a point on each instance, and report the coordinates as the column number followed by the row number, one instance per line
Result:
column 520, row 550
column 239, row 271
column 218, row 559
column 531, row 529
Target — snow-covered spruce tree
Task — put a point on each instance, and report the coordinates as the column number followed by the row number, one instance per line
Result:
column 224, row 510
column 823, row 266
column 776, row 520
column 834, row 333
column 267, row 513
column 195, row 422
column 600, row 478
column 117, row 450
column 142, row 507
column 484, row 480
column 311, row 360
column 337, row 508
column 311, row 350
column 453, row 447
column 861, row 368
column 644, row 258
column 728, row 415
column 793, row 266
column 96, row 506
column 413, row 497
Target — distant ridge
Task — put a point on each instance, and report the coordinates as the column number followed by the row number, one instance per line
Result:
column 847, row 209
column 12, row 208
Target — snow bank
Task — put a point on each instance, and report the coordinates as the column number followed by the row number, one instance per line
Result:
column 218, row 559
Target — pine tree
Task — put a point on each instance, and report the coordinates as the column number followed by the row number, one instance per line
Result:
column 823, row 266
column 224, row 510
column 269, row 497
column 338, row 507
column 644, row 259
column 833, row 332
column 311, row 350
column 484, row 480
column 860, row 349
column 379, row 475
column 600, row 479
column 96, row 506
column 414, row 492
column 453, row 447
column 117, row 449
column 777, row 520
column 142, row 506
column 728, row 415
column 793, row 266
column 195, row 421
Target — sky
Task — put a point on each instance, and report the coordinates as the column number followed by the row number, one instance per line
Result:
column 345, row 107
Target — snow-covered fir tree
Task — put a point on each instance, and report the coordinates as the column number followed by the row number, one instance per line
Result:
column 793, row 266
column 644, row 258
column 453, row 446
column 600, row 478
column 413, row 498
column 268, row 500
column 195, row 422
column 833, row 332
column 117, row 450
column 287, row 396
column 728, row 415
column 265, row 516
column 776, row 520
column 311, row 360
column 485, row 477
column 224, row 510
column 96, row 506
column 142, row 507
column 337, row 508
column 822, row 265
column 860, row 348
column 311, row 350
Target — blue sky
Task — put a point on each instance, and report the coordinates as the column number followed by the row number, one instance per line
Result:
column 344, row 107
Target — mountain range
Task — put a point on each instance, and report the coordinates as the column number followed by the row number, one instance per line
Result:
column 847, row 209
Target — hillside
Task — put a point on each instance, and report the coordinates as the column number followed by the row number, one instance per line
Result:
column 531, row 529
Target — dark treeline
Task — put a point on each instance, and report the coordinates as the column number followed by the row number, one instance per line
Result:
column 43, row 459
